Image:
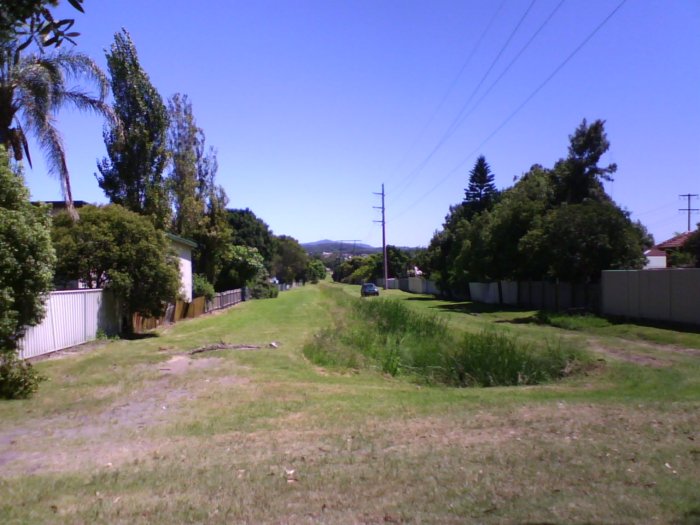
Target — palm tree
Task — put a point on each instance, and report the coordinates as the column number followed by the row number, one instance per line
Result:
column 32, row 90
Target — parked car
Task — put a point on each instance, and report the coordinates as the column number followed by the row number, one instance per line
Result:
column 369, row 289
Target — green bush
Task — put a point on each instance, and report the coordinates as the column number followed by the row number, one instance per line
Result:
column 18, row 379
column 201, row 287
column 263, row 290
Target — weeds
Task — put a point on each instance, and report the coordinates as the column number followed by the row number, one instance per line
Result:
column 492, row 359
column 388, row 336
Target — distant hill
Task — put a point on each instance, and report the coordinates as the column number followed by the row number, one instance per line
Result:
column 327, row 245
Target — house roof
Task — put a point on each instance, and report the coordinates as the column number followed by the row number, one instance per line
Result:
column 655, row 252
column 181, row 240
column 57, row 206
column 674, row 242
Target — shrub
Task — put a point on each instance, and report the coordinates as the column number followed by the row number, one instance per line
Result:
column 202, row 287
column 18, row 379
column 263, row 290
column 26, row 256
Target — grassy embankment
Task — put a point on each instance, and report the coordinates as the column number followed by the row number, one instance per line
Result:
column 142, row 432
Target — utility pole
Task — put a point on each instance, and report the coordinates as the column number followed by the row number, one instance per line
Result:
column 689, row 209
column 383, row 221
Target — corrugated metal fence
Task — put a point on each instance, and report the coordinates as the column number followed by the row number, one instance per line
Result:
column 72, row 318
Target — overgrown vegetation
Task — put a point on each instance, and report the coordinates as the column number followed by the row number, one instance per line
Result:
column 18, row 378
column 388, row 336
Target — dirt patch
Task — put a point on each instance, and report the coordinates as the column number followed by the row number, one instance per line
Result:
column 631, row 357
column 117, row 434
column 694, row 352
column 180, row 364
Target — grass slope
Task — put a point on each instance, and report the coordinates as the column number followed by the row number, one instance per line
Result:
column 142, row 432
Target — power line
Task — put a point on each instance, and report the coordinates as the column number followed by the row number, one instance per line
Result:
column 519, row 108
column 454, row 124
column 513, row 61
column 451, row 87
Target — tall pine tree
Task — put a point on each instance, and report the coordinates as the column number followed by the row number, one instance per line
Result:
column 481, row 193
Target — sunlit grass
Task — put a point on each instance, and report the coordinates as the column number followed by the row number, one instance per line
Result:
column 266, row 436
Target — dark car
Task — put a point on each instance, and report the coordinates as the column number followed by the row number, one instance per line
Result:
column 369, row 289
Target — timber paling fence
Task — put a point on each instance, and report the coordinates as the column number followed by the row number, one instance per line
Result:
column 182, row 310
column 75, row 317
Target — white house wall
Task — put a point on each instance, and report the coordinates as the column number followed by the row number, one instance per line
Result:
column 184, row 255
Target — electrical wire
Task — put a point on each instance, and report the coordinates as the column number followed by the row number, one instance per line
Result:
column 425, row 127
column 454, row 124
column 511, row 63
column 517, row 110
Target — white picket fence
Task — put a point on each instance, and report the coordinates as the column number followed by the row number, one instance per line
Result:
column 72, row 317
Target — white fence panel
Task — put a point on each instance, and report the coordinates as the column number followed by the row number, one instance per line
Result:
column 72, row 318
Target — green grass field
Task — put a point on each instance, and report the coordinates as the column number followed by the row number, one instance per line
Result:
column 143, row 432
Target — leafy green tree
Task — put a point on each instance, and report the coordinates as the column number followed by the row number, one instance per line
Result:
column 316, row 270
column 132, row 173
column 200, row 205
column 26, row 257
column 119, row 250
column 481, row 193
column 201, row 287
column 579, row 241
column 517, row 212
column 243, row 266
column 184, row 142
column 25, row 21
column 249, row 230
column 346, row 269
column 290, row 259
column 692, row 246
column 397, row 260
column 578, row 177
column 33, row 89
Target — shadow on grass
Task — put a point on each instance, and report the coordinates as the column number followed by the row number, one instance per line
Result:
column 137, row 337
column 471, row 308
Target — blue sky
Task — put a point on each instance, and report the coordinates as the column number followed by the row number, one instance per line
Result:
column 312, row 105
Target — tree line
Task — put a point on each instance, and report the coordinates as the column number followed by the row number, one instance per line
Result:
column 159, row 176
column 554, row 223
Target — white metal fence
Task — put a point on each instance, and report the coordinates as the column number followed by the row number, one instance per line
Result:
column 72, row 317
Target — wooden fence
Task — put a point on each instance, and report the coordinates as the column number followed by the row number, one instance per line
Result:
column 181, row 310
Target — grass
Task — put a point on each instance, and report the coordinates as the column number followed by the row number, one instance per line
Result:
column 388, row 335
column 265, row 436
